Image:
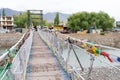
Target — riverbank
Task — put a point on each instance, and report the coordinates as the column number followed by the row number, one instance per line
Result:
column 9, row 39
column 109, row 39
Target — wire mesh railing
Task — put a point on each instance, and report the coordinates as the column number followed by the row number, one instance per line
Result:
column 80, row 63
column 16, row 67
column 6, row 58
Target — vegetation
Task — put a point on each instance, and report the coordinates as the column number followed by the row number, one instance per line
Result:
column 21, row 20
column 102, row 33
column 56, row 20
column 49, row 24
column 118, row 23
column 85, row 20
column 3, row 12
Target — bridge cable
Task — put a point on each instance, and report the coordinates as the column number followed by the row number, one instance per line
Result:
column 75, row 54
column 91, row 66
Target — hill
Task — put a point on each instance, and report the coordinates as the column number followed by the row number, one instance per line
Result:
column 48, row 16
column 9, row 12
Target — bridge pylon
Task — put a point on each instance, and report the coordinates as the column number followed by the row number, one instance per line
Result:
column 39, row 17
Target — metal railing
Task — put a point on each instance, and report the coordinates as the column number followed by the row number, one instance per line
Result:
column 6, row 56
column 77, row 62
column 17, row 69
column 11, row 49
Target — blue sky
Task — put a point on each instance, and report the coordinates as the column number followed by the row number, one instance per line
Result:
column 65, row 6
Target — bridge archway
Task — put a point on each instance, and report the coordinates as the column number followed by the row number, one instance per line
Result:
column 38, row 13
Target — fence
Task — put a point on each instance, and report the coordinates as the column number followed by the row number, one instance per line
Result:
column 77, row 62
column 17, row 69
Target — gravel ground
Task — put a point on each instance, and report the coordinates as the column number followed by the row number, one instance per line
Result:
column 9, row 39
column 109, row 39
column 104, row 73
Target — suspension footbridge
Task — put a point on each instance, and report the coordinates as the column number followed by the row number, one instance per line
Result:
column 43, row 55
column 42, row 64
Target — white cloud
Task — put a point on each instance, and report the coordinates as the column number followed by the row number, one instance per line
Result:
column 66, row 6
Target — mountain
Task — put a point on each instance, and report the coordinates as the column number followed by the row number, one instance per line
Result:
column 9, row 12
column 50, row 16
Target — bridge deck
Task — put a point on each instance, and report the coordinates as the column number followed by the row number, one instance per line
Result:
column 42, row 65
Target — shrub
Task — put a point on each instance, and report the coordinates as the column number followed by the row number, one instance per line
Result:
column 102, row 33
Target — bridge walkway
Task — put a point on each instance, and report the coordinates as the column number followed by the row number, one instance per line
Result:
column 42, row 65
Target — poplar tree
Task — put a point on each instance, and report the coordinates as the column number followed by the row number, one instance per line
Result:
column 3, row 12
column 56, row 20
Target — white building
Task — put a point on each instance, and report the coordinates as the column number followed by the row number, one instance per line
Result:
column 6, row 22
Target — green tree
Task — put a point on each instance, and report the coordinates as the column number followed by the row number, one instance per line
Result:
column 117, row 24
column 84, row 20
column 49, row 24
column 21, row 20
column 44, row 22
column 78, row 21
column 56, row 20
column 105, row 22
column 3, row 12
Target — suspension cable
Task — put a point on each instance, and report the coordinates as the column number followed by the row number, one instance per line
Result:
column 75, row 55
column 91, row 66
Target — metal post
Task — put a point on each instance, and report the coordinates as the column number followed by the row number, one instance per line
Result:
column 76, row 55
column 41, row 19
column 91, row 67
column 30, row 17
column 28, row 12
